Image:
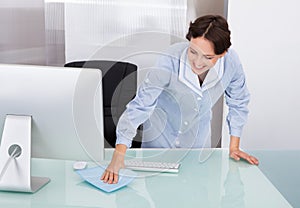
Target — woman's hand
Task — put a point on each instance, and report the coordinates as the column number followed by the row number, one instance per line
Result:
column 237, row 154
column 111, row 174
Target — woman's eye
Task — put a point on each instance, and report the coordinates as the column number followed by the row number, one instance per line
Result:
column 193, row 52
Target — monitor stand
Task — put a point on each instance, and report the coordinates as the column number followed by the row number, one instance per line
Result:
column 15, row 156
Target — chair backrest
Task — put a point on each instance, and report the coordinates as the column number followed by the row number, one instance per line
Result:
column 119, row 87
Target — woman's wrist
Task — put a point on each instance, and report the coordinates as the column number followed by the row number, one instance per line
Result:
column 234, row 143
column 120, row 151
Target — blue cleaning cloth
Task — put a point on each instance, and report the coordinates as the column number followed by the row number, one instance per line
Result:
column 92, row 176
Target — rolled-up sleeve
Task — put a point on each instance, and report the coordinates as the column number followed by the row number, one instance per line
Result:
column 237, row 99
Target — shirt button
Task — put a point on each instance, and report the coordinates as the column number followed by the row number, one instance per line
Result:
column 147, row 80
column 196, row 109
column 186, row 123
column 179, row 132
column 177, row 142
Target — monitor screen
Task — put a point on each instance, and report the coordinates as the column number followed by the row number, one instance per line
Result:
column 65, row 105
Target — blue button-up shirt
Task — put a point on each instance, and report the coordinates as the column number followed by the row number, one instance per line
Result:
column 175, row 110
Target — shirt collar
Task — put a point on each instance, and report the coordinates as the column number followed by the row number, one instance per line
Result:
column 214, row 74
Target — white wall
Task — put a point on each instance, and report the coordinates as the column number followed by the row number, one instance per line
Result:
column 28, row 37
column 266, row 34
column 22, row 34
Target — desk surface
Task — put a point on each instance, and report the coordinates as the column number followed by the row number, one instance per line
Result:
column 282, row 168
column 215, row 182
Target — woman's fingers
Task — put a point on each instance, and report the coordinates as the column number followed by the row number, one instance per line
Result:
column 253, row 160
column 240, row 154
column 110, row 177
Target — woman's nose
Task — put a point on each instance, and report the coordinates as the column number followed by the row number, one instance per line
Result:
column 199, row 61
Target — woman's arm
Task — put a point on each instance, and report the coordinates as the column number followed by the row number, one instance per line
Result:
column 139, row 110
column 237, row 99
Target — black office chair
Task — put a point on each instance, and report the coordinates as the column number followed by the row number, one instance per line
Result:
column 119, row 85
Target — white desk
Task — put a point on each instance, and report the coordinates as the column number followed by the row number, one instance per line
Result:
column 218, row 182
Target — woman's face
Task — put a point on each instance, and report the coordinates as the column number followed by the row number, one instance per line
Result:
column 201, row 55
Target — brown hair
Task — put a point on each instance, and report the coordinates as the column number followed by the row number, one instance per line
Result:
column 213, row 28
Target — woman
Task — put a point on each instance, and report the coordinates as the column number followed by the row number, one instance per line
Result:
column 175, row 100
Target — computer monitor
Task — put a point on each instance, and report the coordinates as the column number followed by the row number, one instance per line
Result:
column 62, row 108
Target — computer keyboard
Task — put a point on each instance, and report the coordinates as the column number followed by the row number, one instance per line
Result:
column 152, row 166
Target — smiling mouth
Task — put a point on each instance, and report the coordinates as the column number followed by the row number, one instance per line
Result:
column 199, row 67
